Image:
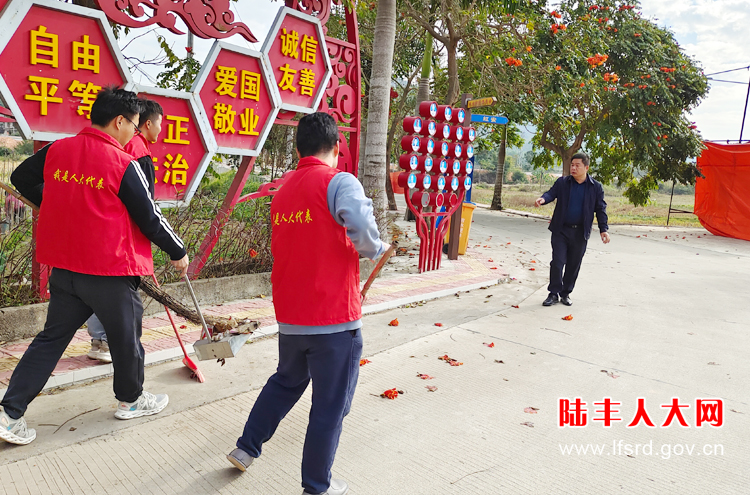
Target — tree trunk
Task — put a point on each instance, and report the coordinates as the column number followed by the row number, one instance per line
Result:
column 497, row 197
column 453, row 87
column 389, row 149
column 567, row 157
column 423, row 93
column 376, row 161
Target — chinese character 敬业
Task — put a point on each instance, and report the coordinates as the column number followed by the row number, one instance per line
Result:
column 250, row 86
column 224, row 118
column 287, row 80
column 309, row 49
column 44, row 92
column 306, row 82
column 175, row 129
column 572, row 414
column 227, row 79
column 43, row 45
column 87, row 93
column 85, row 55
column 249, row 122
column 289, row 43
column 176, row 170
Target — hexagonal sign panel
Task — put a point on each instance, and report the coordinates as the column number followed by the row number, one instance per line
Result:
column 238, row 98
column 54, row 59
column 183, row 150
column 296, row 47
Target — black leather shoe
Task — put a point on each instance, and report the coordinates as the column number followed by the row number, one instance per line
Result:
column 551, row 299
column 566, row 300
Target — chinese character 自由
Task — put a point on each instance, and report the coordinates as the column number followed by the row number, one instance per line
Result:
column 176, row 170
column 227, row 79
column 44, row 44
column 289, row 43
column 306, row 82
column 85, row 55
column 87, row 93
column 44, row 92
column 175, row 130
column 249, row 122
column 250, row 86
column 287, row 80
column 309, row 49
column 224, row 118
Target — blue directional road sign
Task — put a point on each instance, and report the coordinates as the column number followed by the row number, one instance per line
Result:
column 489, row 119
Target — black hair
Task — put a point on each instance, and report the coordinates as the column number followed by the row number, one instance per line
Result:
column 317, row 133
column 583, row 157
column 149, row 111
column 112, row 102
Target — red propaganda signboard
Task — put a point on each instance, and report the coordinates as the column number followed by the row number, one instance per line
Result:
column 296, row 47
column 54, row 59
column 238, row 98
column 181, row 153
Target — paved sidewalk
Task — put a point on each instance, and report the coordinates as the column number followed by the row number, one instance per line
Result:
column 160, row 344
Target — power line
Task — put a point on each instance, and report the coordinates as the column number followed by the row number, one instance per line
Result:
column 730, row 70
column 721, row 80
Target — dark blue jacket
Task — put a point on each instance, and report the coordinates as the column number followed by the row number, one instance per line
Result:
column 593, row 202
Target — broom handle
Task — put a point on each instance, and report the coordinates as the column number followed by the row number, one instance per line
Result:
column 197, row 308
column 378, row 267
column 18, row 196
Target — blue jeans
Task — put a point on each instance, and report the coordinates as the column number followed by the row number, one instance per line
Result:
column 332, row 362
column 96, row 329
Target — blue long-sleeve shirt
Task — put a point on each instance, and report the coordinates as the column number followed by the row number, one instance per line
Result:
column 352, row 210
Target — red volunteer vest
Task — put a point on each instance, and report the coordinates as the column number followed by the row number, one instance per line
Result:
column 83, row 225
column 315, row 272
column 138, row 147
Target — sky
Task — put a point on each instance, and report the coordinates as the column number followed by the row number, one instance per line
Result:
column 713, row 32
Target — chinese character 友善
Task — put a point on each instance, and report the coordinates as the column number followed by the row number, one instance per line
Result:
column 287, row 80
column 306, row 82
column 85, row 55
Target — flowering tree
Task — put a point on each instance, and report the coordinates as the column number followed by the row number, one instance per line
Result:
column 595, row 76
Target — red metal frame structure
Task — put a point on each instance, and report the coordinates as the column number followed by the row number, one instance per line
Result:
column 430, row 234
column 345, row 106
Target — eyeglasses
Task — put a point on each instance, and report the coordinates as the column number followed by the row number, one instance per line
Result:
column 137, row 131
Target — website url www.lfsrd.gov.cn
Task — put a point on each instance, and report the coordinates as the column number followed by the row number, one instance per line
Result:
column 665, row 451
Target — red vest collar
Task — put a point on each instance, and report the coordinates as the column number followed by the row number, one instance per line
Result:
column 103, row 136
column 309, row 161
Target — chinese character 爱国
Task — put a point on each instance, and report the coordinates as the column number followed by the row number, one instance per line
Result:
column 306, row 82
column 85, row 55
column 250, row 86
column 224, row 118
column 176, row 171
column 227, row 79
column 289, row 43
column 87, row 93
column 44, row 44
column 249, row 122
column 309, row 49
column 287, row 79
column 175, row 130
column 44, row 92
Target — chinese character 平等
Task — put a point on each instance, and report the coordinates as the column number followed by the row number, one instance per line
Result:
column 249, row 122
column 44, row 89
column 85, row 55
column 289, row 43
column 175, row 129
column 250, row 86
column 87, row 93
column 44, row 47
column 287, row 80
column 309, row 49
column 224, row 118
column 176, row 170
column 306, row 82
column 227, row 79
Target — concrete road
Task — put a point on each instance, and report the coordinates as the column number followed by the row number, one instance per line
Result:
column 653, row 317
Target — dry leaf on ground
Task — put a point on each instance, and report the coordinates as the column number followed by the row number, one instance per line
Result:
column 530, row 410
column 431, row 388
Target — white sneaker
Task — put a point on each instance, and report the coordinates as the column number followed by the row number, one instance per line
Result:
column 338, row 487
column 103, row 355
column 94, row 351
column 146, row 405
column 15, row 430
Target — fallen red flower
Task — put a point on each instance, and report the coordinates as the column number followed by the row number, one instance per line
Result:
column 425, row 377
column 491, row 344
column 450, row 360
column 567, row 318
column 183, row 326
column 438, row 324
column 393, row 323
column 515, row 306
column 253, row 253
column 363, row 362
column 390, row 394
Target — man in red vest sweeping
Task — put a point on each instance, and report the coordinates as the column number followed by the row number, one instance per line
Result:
column 322, row 222
column 89, row 184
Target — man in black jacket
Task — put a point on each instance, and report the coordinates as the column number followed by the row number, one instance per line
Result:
column 578, row 198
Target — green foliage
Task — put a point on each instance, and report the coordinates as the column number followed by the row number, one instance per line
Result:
column 5, row 151
column 25, row 148
column 518, row 177
column 180, row 73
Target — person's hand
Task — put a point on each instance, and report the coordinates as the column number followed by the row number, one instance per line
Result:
column 605, row 237
column 181, row 265
column 539, row 202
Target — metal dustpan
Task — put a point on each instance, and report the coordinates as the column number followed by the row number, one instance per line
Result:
column 216, row 345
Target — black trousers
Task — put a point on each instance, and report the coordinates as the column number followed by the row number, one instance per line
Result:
column 568, row 248
column 73, row 298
